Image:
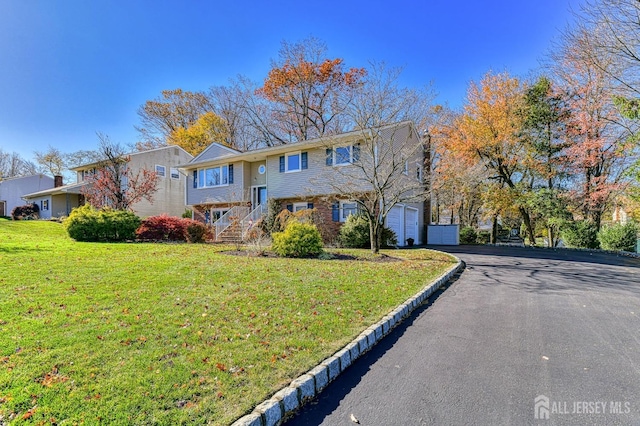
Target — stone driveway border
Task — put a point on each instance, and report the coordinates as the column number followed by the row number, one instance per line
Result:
column 312, row 383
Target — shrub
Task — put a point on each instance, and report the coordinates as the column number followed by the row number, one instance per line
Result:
column 619, row 237
column 484, row 237
column 468, row 235
column 581, row 233
column 187, row 214
column 298, row 240
column 355, row 233
column 162, row 228
column 26, row 212
column 88, row 224
column 195, row 232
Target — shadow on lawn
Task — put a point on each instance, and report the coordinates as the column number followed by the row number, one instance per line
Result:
column 314, row 412
column 17, row 249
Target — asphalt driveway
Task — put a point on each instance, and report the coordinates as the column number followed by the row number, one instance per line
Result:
column 520, row 335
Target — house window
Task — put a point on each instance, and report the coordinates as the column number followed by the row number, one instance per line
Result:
column 44, row 205
column 293, row 163
column 347, row 208
column 419, row 172
column 405, row 170
column 175, row 174
column 161, row 170
column 343, row 155
column 300, row 206
column 213, row 176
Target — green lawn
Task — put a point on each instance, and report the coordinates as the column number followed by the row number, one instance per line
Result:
column 174, row 333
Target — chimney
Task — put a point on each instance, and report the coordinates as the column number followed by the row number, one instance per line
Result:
column 57, row 181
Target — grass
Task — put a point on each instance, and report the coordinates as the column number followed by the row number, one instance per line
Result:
column 174, row 333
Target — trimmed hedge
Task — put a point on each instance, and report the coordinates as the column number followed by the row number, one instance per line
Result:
column 88, row 224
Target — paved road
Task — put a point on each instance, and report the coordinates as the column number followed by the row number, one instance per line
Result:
column 515, row 325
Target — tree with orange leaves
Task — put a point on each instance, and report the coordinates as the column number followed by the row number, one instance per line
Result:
column 307, row 92
column 489, row 132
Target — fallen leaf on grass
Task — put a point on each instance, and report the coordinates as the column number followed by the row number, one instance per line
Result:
column 29, row 413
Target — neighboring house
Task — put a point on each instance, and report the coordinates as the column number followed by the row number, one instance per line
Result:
column 12, row 190
column 168, row 199
column 225, row 185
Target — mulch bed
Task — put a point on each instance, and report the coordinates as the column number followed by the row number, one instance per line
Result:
column 382, row 258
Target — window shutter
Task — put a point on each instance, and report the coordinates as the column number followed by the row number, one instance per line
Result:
column 309, row 206
column 303, row 161
column 195, row 178
column 282, row 164
column 230, row 174
column 335, row 212
column 329, row 157
column 290, row 207
column 356, row 152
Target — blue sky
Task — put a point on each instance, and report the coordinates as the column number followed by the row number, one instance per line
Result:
column 71, row 68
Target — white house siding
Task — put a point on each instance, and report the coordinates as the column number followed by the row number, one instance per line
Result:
column 170, row 196
column 234, row 192
column 215, row 151
column 257, row 179
column 12, row 190
column 312, row 181
column 62, row 204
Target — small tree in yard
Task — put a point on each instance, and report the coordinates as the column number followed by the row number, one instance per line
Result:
column 383, row 170
column 114, row 184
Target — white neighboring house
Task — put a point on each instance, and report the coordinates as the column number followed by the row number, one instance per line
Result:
column 12, row 190
column 169, row 198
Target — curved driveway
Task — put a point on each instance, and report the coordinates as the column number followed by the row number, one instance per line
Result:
column 517, row 324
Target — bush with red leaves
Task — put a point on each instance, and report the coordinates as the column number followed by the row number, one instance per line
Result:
column 162, row 228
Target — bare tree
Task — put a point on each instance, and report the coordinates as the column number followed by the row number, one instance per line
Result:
column 613, row 27
column 13, row 165
column 380, row 100
column 51, row 161
column 114, row 184
column 173, row 110
column 383, row 169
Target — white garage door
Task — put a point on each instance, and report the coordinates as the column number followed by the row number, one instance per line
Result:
column 395, row 222
column 410, row 225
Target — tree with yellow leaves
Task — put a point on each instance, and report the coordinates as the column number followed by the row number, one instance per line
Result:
column 207, row 129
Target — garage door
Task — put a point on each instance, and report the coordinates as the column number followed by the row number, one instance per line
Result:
column 395, row 222
column 410, row 225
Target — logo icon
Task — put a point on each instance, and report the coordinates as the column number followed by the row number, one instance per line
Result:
column 541, row 407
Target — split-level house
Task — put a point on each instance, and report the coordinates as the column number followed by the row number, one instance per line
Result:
column 12, row 190
column 226, row 186
column 168, row 199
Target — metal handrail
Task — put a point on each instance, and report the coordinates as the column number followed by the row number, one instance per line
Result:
column 229, row 218
column 252, row 218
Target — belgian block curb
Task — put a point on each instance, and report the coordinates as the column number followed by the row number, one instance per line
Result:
column 283, row 403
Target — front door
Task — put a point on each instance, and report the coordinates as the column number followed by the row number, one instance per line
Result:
column 258, row 196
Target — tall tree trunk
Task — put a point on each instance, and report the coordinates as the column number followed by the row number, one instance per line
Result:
column 527, row 223
column 494, row 229
column 375, row 235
